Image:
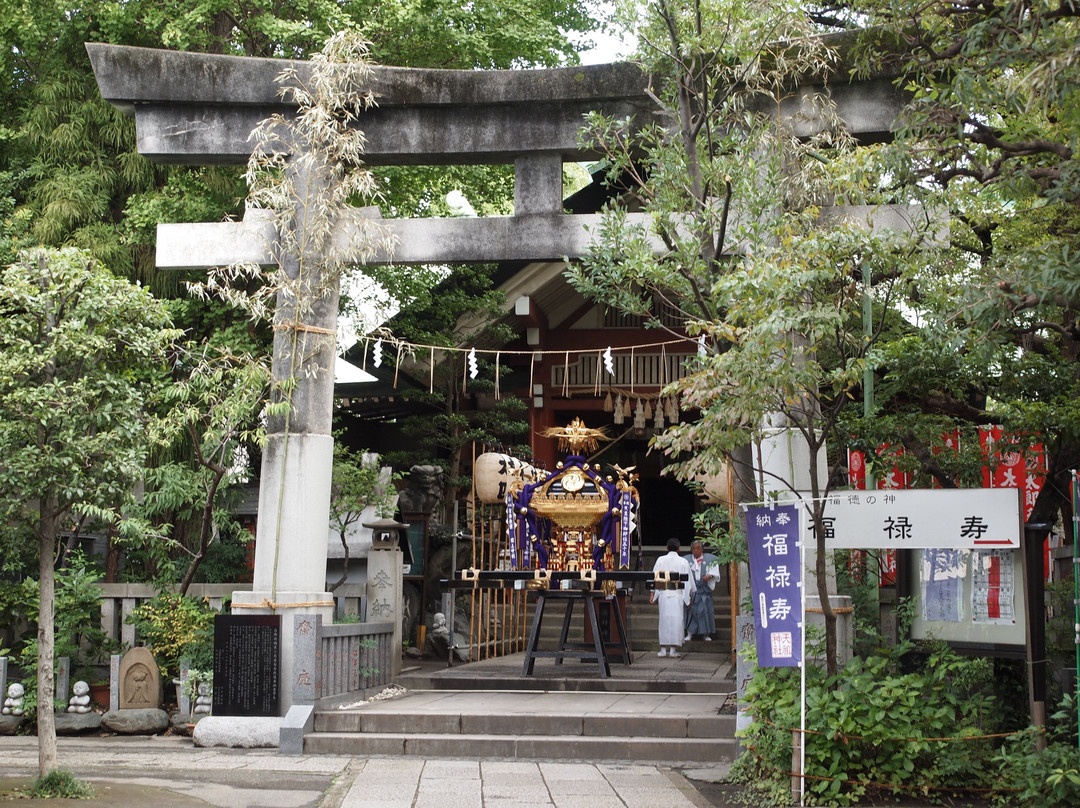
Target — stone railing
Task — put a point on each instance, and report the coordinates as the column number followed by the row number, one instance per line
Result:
column 119, row 600
column 334, row 660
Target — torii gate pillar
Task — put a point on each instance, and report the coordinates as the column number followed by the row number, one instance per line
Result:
column 297, row 464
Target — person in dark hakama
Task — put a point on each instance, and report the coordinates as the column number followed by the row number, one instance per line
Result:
column 704, row 573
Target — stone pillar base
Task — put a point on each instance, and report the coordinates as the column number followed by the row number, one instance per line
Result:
column 285, row 604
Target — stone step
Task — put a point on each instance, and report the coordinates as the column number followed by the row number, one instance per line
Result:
column 657, row 710
column 556, row 726
column 720, row 645
column 674, row 751
column 623, row 680
column 508, row 723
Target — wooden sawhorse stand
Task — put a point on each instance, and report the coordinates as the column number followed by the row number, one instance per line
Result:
column 585, row 651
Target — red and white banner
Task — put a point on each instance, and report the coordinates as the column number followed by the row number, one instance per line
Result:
column 1012, row 465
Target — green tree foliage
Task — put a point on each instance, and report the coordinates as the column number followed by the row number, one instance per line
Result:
column 977, row 328
column 484, row 34
column 719, row 69
column 81, row 357
column 67, row 161
column 990, row 136
column 211, row 417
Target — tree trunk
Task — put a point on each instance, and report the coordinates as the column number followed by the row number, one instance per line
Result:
column 112, row 559
column 818, row 490
column 206, row 518
column 821, row 573
column 206, row 529
column 46, row 719
column 345, row 560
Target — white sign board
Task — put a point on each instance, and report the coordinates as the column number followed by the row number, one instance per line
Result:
column 963, row 518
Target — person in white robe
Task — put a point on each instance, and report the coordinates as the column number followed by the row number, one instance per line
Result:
column 704, row 573
column 673, row 602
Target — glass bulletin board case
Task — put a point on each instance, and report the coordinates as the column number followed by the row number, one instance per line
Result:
column 971, row 598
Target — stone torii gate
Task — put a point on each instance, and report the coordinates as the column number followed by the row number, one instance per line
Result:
column 199, row 109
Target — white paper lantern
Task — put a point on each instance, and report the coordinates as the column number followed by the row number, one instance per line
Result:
column 492, row 475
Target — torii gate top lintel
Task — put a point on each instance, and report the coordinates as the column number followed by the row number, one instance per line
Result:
column 199, row 109
column 196, row 108
column 150, row 74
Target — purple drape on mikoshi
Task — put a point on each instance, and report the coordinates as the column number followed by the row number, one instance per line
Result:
column 772, row 536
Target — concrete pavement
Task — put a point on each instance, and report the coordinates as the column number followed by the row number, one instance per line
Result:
column 170, row 772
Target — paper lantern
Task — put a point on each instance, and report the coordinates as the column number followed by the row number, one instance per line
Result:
column 492, row 475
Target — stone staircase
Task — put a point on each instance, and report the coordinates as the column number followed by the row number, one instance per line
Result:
column 681, row 729
column 657, row 710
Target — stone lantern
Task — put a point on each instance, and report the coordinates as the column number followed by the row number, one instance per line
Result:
column 384, row 582
column 384, row 533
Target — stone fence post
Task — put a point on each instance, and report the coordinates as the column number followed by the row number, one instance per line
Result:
column 305, row 629
column 385, row 581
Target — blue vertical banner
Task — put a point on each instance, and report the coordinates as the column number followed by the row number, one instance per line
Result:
column 772, row 535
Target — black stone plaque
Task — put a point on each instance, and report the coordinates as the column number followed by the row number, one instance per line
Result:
column 247, row 664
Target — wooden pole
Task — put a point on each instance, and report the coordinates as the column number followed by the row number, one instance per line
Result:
column 1032, row 558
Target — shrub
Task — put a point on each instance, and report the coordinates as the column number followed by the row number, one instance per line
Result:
column 176, row 627
column 873, row 730
column 196, row 677
column 1047, row 778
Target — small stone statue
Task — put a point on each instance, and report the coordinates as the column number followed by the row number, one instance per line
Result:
column 204, row 700
column 439, row 627
column 13, row 704
column 80, row 702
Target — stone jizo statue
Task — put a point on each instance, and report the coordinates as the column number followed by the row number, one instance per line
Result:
column 439, row 627
column 13, row 704
column 204, row 701
column 80, row 702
